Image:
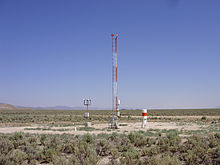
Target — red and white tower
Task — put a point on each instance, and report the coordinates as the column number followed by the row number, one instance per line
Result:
column 115, row 100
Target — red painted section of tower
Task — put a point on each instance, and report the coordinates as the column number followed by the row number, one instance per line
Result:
column 116, row 75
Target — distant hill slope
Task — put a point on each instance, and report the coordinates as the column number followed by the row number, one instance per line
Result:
column 7, row 107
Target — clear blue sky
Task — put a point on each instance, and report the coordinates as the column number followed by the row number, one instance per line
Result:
column 56, row 52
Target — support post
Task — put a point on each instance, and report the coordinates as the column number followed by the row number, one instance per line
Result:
column 144, row 117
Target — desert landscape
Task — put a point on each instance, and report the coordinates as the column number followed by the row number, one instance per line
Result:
column 109, row 82
column 60, row 137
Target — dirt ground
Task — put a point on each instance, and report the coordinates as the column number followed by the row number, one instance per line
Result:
column 100, row 128
column 186, row 117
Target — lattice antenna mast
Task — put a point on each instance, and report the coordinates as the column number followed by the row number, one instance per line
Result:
column 115, row 101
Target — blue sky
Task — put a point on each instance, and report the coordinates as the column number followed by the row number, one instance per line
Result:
column 55, row 52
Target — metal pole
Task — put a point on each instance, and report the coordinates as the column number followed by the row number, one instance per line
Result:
column 116, row 77
column 114, row 82
column 87, row 119
column 113, row 72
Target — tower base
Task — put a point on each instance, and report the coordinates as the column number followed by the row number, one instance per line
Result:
column 113, row 124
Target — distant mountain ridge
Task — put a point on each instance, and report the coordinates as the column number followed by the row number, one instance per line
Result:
column 4, row 106
column 7, row 107
column 60, row 107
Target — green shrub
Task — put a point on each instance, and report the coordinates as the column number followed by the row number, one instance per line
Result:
column 137, row 138
column 88, row 138
column 59, row 160
column 123, row 124
column 204, row 118
column 130, row 157
column 145, row 151
column 68, row 147
column 115, row 154
column 164, row 160
column 217, row 135
column 47, row 155
column 134, row 148
column 16, row 157
column 5, row 146
column 42, row 139
column 103, row 148
column 84, row 154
